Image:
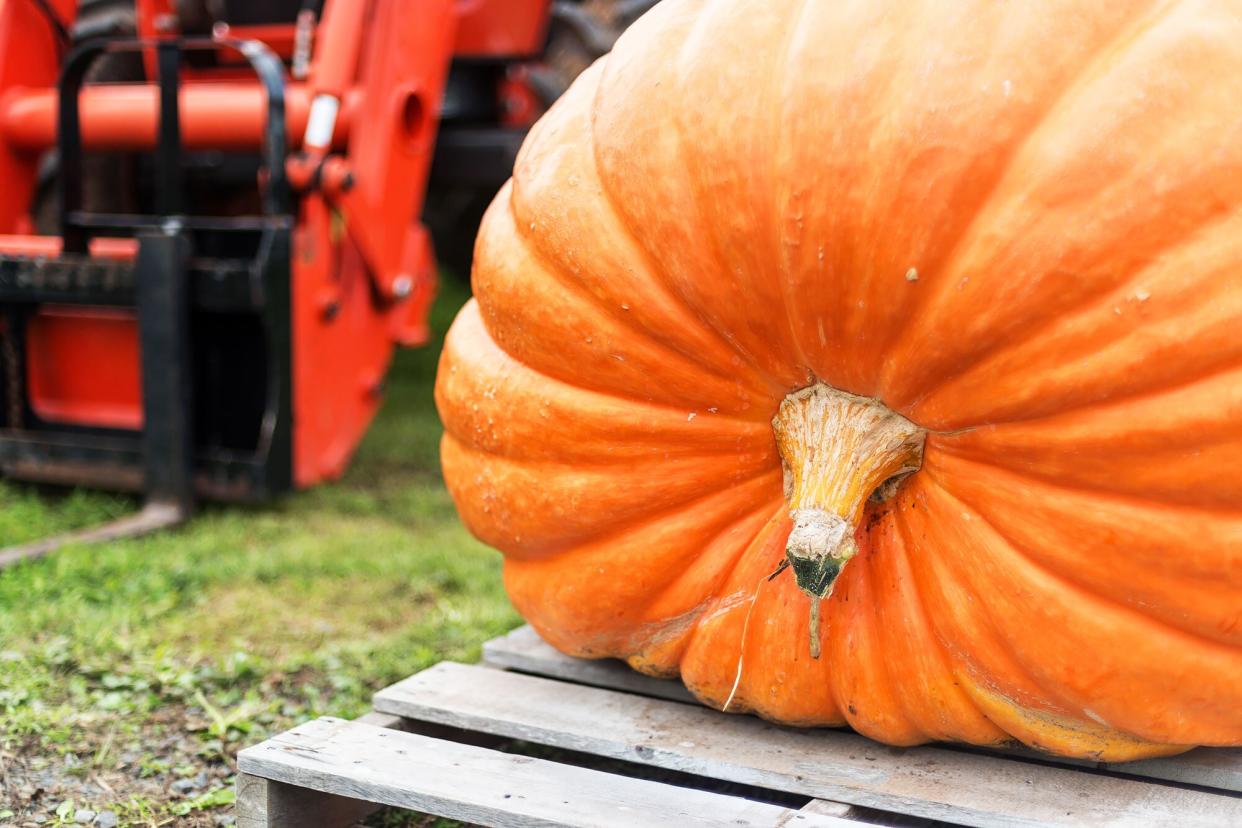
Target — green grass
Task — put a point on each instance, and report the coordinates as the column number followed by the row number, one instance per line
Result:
column 247, row 619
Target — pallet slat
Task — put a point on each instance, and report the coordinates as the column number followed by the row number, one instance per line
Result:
column 826, row 808
column 525, row 651
column 264, row 803
column 364, row 762
column 948, row 785
column 1208, row 767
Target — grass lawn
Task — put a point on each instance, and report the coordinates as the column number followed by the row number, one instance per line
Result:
column 131, row 673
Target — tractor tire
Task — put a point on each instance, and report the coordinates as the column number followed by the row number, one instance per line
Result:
column 580, row 32
column 452, row 216
column 106, row 18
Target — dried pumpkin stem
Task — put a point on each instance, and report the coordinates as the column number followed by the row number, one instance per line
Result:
column 838, row 449
column 815, row 646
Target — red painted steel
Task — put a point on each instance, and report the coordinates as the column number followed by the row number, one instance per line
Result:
column 363, row 271
column 341, row 346
column 29, row 59
column 390, row 169
column 82, row 366
column 227, row 115
column 157, row 18
column 501, row 28
column 102, row 247
column 520, row 106
column 343, row 336
column 486, row 28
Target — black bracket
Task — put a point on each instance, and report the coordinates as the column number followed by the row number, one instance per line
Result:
column 162, row 285
column 266, row 65
column 163, row 291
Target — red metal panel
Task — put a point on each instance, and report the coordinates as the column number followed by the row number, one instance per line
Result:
column 153, row 17
column 83, row 366
column 344, row 329
column 341, row 347
column 29, row 57
column 101, row 248
column 501, row 28
column 402, row 74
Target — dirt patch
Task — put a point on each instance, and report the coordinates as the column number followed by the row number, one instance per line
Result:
column 160, row 774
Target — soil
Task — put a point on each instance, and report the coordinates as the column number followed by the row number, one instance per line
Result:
column 162, row 765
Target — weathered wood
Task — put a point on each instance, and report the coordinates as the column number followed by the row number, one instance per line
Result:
column 332, row 773
column 385, row 720
column 825, row 808
column 1208, row 767
column 263, row 803
column 525, row 651
column 1219, row 768
column 406, row 770
column 929, row 782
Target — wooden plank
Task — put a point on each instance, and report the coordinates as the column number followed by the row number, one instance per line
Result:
column 824, row 807
column 385, row 720
column 1208, row 767
column 487, row 787
column 929, row 782
column 1219, row 768
column 525, row 651
column 262, row 803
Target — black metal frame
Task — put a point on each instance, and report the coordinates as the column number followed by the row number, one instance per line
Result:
column 169, row 284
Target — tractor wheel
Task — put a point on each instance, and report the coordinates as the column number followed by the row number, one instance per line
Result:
column 452, row 216
column 106, row 18
column 580, row 32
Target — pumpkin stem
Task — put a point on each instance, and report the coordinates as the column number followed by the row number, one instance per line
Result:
column 815, row 645
column 838, row 450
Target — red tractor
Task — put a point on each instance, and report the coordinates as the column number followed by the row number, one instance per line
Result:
column 212, row 221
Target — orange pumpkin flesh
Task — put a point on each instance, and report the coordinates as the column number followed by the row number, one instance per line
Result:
column 1015, row 229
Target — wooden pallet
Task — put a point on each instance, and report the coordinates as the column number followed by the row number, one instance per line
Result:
column 620, row 749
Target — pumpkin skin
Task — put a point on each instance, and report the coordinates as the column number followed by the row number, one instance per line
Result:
column 1016, row 225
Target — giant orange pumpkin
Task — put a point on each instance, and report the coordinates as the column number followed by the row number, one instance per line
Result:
column 940, row 302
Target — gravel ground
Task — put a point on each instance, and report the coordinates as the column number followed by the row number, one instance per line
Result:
column 163, row 763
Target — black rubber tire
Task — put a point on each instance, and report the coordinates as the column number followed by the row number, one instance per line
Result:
column 452, row 216
column 580, row 32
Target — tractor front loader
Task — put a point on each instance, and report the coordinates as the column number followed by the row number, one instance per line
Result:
column 211, row 233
